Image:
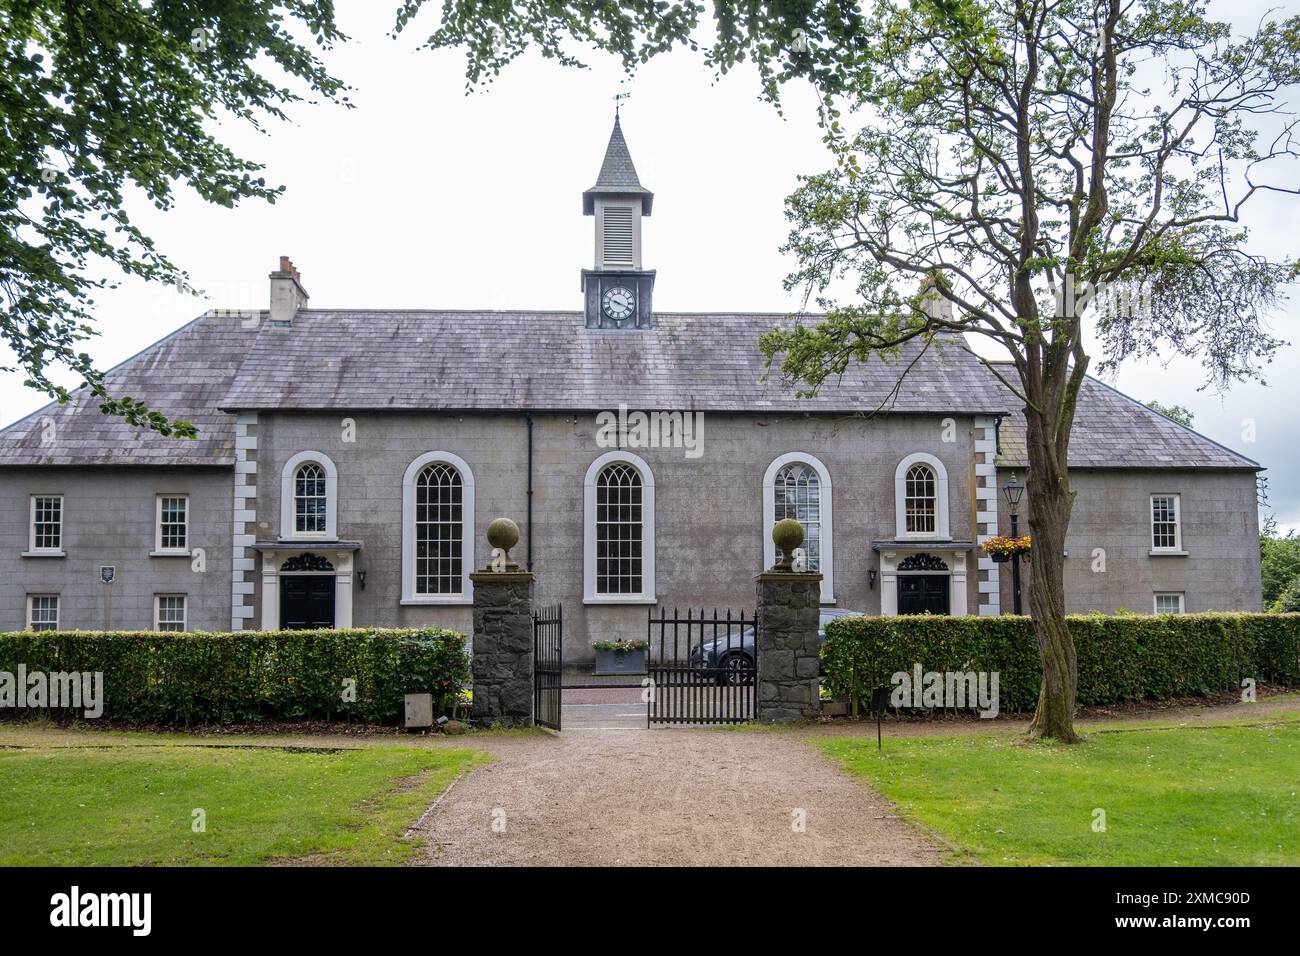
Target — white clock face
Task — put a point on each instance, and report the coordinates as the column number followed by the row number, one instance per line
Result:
column 618, row 302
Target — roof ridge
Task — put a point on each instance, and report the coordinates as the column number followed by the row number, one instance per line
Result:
column 726, row 314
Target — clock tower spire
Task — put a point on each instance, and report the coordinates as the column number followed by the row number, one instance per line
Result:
column 617, row 291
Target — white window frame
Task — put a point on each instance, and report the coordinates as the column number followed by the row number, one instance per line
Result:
column 157, row 611
column 942, row 528
column 466, row 595
column 647, row 594
column 927, row 476
column 58, row 609
column 31, row 526
column 288, row 503
column 158, row 524
column 1178, row 522
column 1182, row 602
column 827, row 516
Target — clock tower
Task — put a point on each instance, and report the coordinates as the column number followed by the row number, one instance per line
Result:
column 617, row 292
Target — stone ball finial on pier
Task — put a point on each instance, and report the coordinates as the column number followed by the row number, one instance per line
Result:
column 502, row 535
column 787, row 535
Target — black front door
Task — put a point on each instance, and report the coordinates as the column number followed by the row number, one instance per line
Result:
column 923, row 593
column 306, row 601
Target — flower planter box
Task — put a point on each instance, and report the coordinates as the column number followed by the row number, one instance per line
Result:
column 1001, row 558
column 620, row 662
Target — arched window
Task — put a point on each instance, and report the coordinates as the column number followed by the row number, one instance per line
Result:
column 921, row 498
column 798, row 486
column 437, row 530
column 620, row 534
column 310, row 502
column 619, row 511
column 309, row 497
column 798, row 495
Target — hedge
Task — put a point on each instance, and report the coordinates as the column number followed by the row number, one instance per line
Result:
column 1121, row 658
column 214, row 678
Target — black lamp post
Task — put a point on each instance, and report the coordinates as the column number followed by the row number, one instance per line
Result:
column 1014, row 490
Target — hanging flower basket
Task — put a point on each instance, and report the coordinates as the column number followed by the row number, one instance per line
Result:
column 1003, row 548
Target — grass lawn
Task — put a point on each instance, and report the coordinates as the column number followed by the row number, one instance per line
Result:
column 1198, row 796
column 134, row 805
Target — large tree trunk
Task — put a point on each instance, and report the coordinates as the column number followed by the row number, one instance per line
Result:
column 1050, row 503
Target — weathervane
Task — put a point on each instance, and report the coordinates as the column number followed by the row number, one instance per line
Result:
column 618, row 101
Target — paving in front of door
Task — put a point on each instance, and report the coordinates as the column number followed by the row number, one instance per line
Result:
column 607, row 791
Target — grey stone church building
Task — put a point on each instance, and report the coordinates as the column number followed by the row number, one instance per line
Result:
column 348, row 463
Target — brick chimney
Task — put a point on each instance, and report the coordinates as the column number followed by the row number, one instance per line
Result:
column 287, row 294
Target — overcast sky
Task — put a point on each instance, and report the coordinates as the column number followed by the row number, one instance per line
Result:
column 423, row 197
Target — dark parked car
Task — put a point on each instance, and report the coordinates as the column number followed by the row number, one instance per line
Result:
column 734, row 657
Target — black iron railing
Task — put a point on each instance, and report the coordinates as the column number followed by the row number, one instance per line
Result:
column 548, row 665
column 703, row 668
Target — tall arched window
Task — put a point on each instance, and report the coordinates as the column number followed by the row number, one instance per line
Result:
column 919, row 499
column 309, row 497
column 798, row 494
column 620, row 535
column 619, row 511
column 437, row 530
column 798, row 486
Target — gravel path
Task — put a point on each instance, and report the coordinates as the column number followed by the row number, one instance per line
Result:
column 609, row 792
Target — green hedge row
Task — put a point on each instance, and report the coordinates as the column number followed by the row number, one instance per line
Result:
column 200, row 678
column 1122, row 658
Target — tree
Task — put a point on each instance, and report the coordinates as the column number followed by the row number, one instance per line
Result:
column 96, row 98
column 1017, row 166
column 1176, row 413
column 1279, row 564
column 1028, row 163
column 1288, row 602
column 789, row 39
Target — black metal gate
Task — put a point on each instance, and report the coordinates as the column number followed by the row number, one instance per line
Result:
column 702, row 669
column 548, row 665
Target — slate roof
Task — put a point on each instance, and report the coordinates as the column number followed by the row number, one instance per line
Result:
column 465, row 361
column 1112, row 430
column 184, row 376
column 617, row 175
column 549, row 360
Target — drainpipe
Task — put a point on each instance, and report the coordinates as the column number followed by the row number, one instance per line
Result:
column 529, row 519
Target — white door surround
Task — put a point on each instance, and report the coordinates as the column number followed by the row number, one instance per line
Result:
column 894, row 563
column 309, row 559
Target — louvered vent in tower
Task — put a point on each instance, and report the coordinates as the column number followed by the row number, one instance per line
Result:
column 616, row 247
